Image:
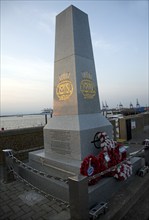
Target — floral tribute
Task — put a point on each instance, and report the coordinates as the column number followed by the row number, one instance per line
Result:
column 111, row 156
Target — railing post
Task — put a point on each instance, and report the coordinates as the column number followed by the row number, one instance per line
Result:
column 46, row 120
column 78, row 197
column 146, row 150
column 7, row 174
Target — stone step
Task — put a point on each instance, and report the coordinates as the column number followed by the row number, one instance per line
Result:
column 101, row 192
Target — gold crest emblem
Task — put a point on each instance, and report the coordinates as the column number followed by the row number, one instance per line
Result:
column 87, row 86
column 64, row 88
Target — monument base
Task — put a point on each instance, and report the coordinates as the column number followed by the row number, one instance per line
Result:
column 70, row 136
column 100, row 192
column 67, row 141
column 55, row 165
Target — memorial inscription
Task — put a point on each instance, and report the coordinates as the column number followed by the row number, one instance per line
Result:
column 60, row 142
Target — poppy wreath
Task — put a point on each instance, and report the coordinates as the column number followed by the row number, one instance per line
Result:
column 108, row 159
column 106, row 143
column 90, row 167
column 113, row 149
column 116, row 154
column 87, row 162
column 123, row 171
column 110, row 155
column 105, row 161
column 102, row 162
column 107, row 152
column 102, row 136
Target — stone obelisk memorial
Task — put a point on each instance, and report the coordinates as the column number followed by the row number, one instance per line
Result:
column 69, row 134
column 77, row 118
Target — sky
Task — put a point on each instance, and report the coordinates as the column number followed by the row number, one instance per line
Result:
column 120, row 37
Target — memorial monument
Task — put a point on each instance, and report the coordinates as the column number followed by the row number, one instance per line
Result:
column 68, row 136
column 76, row 116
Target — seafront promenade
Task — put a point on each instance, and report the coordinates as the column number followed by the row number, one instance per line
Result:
column 19, row 201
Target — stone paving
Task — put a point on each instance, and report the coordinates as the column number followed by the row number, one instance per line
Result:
column 19, row 201
column 140, row 210
column 131, row 202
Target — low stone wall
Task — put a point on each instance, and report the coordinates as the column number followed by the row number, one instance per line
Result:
column 21, row 141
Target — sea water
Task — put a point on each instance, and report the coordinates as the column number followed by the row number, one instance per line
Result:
column 22, row 121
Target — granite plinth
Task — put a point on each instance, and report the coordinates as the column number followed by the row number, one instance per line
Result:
column 71, row 136
column 57, row 166
column 100, row 192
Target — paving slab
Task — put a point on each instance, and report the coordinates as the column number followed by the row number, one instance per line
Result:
column 126, row 200
column 19, row 201
column 64, row 215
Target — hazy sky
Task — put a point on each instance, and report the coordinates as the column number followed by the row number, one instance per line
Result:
column 119, row 31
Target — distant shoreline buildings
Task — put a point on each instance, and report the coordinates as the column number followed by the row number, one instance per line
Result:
column 120, row 109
